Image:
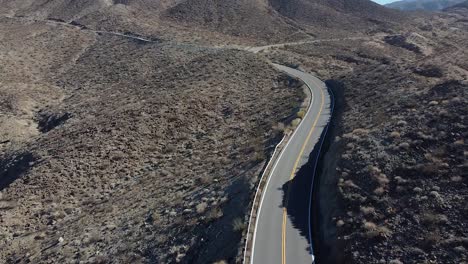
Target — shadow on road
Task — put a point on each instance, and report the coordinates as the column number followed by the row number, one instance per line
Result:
column 322, row 238
column 296, row 195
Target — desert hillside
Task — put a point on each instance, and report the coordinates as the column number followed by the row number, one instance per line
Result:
column 224, row 21
column 336, row 13
column 136, row 150
column 428, row 5
column 461, row 6
column 135, row 131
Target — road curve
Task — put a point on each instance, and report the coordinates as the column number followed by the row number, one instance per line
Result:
column 278, row 236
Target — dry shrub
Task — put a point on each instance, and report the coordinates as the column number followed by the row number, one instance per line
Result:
column 238, row 225
column 379, row 191
column 340, row 223
column 373, row 231
column 349, row 183
column 382, row 179
column 279, row 127
column 361, row 132
column 201, row 208
column 296, row 122
column 369, row 226
column 367, row 210
column 215, row 213
column 259, row 156
column 395, row 134
column 404, row 145
column 301, row 113
column 431, row 219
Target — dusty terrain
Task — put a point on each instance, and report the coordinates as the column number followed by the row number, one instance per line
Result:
column 222, row 21
column 115, row 149
column 123, row 150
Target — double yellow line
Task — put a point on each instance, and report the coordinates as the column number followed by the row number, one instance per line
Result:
column 293, row 172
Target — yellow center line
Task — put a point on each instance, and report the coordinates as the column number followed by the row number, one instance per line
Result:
column 293, row 172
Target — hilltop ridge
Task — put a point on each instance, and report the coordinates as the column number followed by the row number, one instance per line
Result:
column 268, row 21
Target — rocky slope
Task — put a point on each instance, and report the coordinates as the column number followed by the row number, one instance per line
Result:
column 394, row 183
column 117, row 149
column 139, row 151
column 224, row 21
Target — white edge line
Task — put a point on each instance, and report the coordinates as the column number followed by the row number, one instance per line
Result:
column 253, row 204
column 273, row 169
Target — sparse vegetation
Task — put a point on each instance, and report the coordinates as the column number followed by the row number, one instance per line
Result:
column 143, row 145
column 201, row 208
column 116, row 148
column 301, row 113
column 295, row 122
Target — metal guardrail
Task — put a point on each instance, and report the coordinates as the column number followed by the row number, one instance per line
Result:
column 258, row 194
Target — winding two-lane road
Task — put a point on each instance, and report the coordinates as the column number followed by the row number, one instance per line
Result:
column 278, row 238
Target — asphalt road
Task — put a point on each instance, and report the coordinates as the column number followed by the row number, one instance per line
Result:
column 282, row 231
